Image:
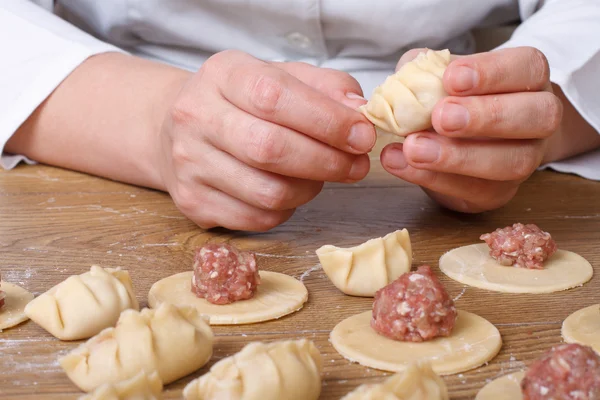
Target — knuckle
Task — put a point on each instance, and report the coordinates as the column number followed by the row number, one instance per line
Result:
column 266, row 146
column 539, row 66
column 524, row 163
column 275, row 196
column 338, row 167
column 181, row 114
column 552, row 111
column 180, row 154
column 267, row 220
column 266, row 94
column 185, row 200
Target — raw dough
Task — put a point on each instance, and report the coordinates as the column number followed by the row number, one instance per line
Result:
column 83, row 305
column 417, row 382
column 12, row 313
column 473, row 342
column 143, row 386
column 506, row 388
column 583, row 327
column 363, row 270
column 473, row 266
column 170, row 340
column 405, row 101
column 288, row 370
column 277, row 295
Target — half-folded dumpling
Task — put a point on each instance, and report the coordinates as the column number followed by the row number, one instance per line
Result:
column 143, row 386
column 83, row 305
column 288, row 370
column 364, row 269
column 404, row 102
column 418, row 382
column 174, row 341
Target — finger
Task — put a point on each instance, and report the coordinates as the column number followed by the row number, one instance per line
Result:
column 503, row 71
column 409, row 56
column 210, row 208
column 458, row 204
column 338, row 85
column 481, row 194
column 258, row 188
column 274, row 148
column 497, row 160
column 271, row 94
column 511, row 116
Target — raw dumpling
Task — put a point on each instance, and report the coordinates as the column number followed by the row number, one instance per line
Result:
column 143, row 386
column 13, row 300
column 418, row 382
column 174, row 341
column 364, row 269
column 404, row 102
column 83, row 305
column 288, row 370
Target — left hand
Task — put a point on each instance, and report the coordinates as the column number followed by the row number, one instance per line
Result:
column 492, row 130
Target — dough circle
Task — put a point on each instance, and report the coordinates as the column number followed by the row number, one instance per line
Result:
column 474, row 341
column 473, row 266
column 276, row 296
column 583, row 327
column 506, row 388
column 13, row 311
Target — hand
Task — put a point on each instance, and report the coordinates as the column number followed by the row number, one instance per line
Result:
column 246, row 142
column 492, row 130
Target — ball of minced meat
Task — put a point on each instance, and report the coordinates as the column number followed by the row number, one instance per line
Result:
column 567, row 372
column 414, row 308
column 223, row 274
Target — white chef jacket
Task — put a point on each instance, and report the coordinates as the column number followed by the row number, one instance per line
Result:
column 43, row 41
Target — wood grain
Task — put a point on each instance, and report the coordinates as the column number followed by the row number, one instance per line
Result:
column 57, row 223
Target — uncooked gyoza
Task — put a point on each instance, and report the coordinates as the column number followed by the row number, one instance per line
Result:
column 363, row 270
column 404, row 102
column 143, row 386
column 418, row 382
column 288, row 370
column 174, row 341
column 83, row 305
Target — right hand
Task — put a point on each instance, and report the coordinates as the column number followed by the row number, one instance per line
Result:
column 246, row 142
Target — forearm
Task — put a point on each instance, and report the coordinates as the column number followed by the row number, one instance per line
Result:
column 576, row 135
column 103, row 119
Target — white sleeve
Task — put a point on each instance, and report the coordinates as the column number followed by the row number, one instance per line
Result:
column 568, row 33
column 39, row 50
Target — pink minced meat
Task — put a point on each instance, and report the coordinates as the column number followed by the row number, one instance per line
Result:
column 567, row 372
column 524, row 246
column 223, row 274
column 414, row 308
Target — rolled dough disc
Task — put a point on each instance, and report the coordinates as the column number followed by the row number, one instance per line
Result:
column 474, row 341
column 583, row 327
column 506, row 388
column 472, row 265
column 12, row 313
column 276, row 296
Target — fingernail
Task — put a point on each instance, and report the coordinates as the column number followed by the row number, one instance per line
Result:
column 354, row 96
column 454, row 117
column 464, row 78
column 357, row 171
column 362, row 137
column 425, row 150
column 394, row 159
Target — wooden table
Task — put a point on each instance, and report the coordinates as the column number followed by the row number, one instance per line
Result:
column 56, row 223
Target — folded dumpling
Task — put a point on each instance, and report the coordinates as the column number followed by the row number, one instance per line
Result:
column 143, row 386
column 174, row 341
column 82, row 305
column 364, row 269
column 417, row 382
column 404, row 102
column 288, row 370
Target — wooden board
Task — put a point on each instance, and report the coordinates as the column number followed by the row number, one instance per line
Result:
column 56, row 223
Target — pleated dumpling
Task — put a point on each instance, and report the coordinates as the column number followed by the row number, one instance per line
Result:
column 417, row 382
column 288, row 370
column 174, row 341
column 404, row 102
column 364, row 269
column 143, row 386
column 82, row 305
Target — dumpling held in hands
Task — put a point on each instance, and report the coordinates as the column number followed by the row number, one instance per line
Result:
column 404, row 103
